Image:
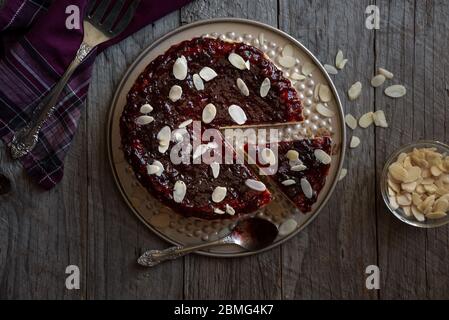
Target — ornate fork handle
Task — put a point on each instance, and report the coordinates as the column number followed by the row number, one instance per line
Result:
column 152, row 258
column 26, row 138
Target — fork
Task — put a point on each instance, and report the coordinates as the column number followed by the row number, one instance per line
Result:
column 98, row 28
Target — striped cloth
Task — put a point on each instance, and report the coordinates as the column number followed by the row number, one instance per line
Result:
column 35, row 49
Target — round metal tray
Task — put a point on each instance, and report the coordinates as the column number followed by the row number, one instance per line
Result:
column 184, row 231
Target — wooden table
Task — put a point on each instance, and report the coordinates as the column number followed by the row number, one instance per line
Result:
column 85, row 222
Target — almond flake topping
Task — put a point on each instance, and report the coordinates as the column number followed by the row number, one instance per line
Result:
column 209, row 113
column 322, row 156
column 287, row 50
column 298, row 167
column 175, row 93
column 242, row 87
column 237, row 114
column 146, row 108
column 229, row 210
column 324, row 111
column 180, row 68
column 306, row 188
column 366, row 120
column 156, row 168
column 179, row 191
column 287, row 61
column 288, row 182
column 218, row 211
column 207, row 74
column 325, row 93
column 238, row 62
column 308, row 68
column 144, row 120
column 198, row 82
column 351, row 122
column 219, row 194
column 164, row 137
column 215, row 167
column 265, row 87
column 185, row 123
column 255, row 185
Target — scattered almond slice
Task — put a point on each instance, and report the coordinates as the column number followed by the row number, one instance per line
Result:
column 237, row 114
column 207, row 74
column 219, row 194
column 215, row 167
column 287, row 227
column 179, row 191
column 343, row 174
column 379, row 119
column 198, row 82
column 209, row 113
column 255, row 185
column 339, row 59
column 229, row 210
column 343, row 64
column 308, row 68
column 185, row 123
column 316, row 92
column 156, row 168
column 355, row 142
column 180, row 68
column 403, row 200
column 436, row 215
column 322, row 156
column 351, row 122
column 393, row 203
column 238, row 62
column 418, row 214
column 287, row 50
column 288, row 182
column 144, row 120
column 265, row 87
column 325, row 93
column 324, row 111
column 306, row 188
column 378, row 80
column 175, row 93
column 298, row 77
column 146, row 108
column 355, row 91
column 287, row 61
column 330, row 69
column 396, row 91
column 242, row 87
column 387, row 74
column 219, row 211
column 366, row 120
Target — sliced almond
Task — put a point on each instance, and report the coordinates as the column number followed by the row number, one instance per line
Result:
column 292, row 155
column 287, row 227
column 436, row 215
column 342, row 64
column 237, row 114
column 215, row 167
column 379, row 119
column 146, row 108
column 185, row 123
column 242, row 87
column 387, row 74
column 413, row 173
column 325, row 93
column 403, row 200
column 268, row 156
column 398, row 172
column 179, row 191
column 219, row 194
column 180, row 68
column 355, row 91
column 288, row 182
column 287, row 50
column 330, row 69
column 409, row 187
column 393, row 185
column 255, row 185
column 366, row 120
column 209, row 113
column 435, row 171
column 441, row 205
column 322, row 156
column 308, row 68
column 156, row 168
column 343, row 174
column 219, row 211
column 238, row 62
column 265, row 87
column 339, row 58
column 229, row 210
column 396, row 91
column 164, row 134
column 416, row 199
column 298, row 167
column 407, row 211
column 316, row 92
column 287, row 61
column 418, row 214
column 355, row 142
column 393, row 203
column 175, row 93
column 378, row 80
column 144, row 120
column 198, row 82
column 430, row 188
column 351, row 121
column 306, row 188
column 207, row 74
column 297, row 77
column 324, row 111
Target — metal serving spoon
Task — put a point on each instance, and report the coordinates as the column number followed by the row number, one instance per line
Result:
column 251, row 234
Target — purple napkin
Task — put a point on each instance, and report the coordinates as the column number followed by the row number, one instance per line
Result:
column 35, row 50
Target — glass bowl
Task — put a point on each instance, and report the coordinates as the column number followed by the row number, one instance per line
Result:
column 399, row 213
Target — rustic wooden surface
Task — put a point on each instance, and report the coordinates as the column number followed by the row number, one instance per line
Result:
column 84, row 221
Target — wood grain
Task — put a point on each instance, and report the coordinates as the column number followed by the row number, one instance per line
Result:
column 328, row 259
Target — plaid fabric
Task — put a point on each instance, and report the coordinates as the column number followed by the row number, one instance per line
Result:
column 35, row 50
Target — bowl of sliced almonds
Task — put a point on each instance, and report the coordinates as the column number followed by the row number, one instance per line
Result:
column 415, row 184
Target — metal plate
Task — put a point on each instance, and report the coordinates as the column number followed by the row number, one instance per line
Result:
column 184, row 231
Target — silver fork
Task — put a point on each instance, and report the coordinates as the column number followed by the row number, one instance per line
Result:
column 98, row 28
